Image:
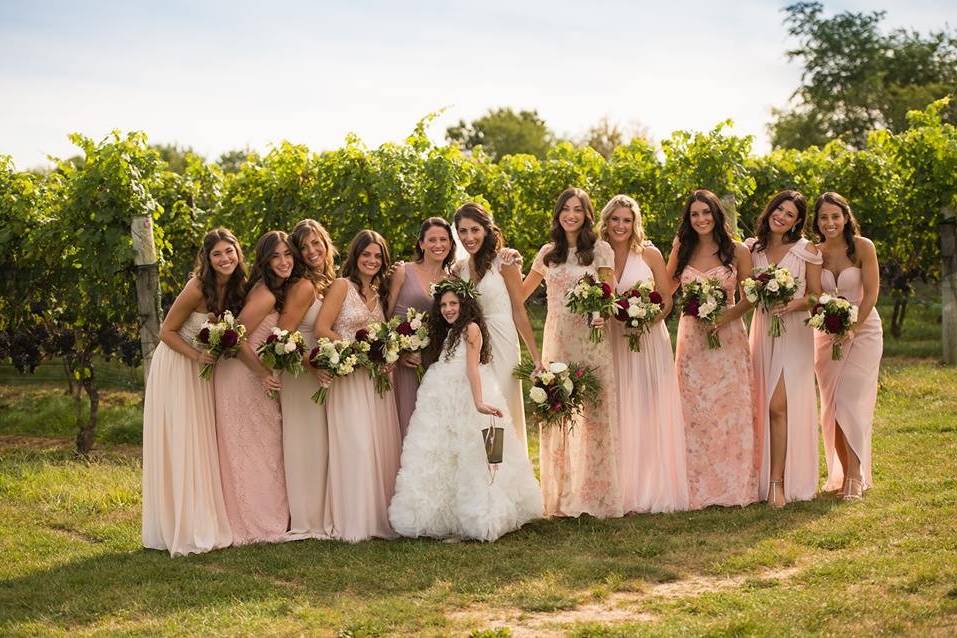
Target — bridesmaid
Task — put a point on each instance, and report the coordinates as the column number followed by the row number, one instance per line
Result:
column 248, row 422
column 848, row 386
column 497, row 273
column 305, row 436
column 714, row 384
column 183, row 508
column 410, row 287
column 364, row 439
column 579, row 471
column 651, row 428
column 786, row 416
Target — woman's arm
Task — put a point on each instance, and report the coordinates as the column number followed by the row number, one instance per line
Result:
column 671, row 268
column 531, row 282
column 331, row 307
column 512, row 275
column 189, row 300
column 298, row 302
column 659, row 271
column 473, row 352
column 870, row 275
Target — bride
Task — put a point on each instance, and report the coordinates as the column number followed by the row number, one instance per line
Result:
column 445, row 487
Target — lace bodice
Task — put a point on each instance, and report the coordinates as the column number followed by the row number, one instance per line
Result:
column 848, row 284
column 192, row 326
column 355, row 315
column 493, row 298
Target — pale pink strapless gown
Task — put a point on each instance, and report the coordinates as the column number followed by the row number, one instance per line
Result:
column 848, row 386
column 364, row 441
column 651, row 428
column 789, row 357
column 716, row 402
column 249, row 432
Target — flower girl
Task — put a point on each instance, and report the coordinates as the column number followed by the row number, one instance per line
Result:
column 446, row 488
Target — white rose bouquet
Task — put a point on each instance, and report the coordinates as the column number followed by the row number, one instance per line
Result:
column 338, row 358
column 704, row 300
column 414, row 335
column 222, row 337
column 768, row 287
column 833, row 316
column 637, row 309
column 282, row 351
column 559, row 392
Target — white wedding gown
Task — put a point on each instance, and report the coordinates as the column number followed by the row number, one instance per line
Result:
column 444, row 488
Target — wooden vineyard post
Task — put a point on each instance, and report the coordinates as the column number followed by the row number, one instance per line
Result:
column 948, row 284
column 731, row 209
column 147, row 287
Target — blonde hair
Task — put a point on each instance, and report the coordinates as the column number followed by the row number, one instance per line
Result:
column 300, row 233
column 637, row 228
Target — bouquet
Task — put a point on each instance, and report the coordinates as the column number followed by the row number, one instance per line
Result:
column 637, row 309
column 704, row 300
column 770, row 286
column 338, row 358
column 560, row 392
column 282, row 350
column 592, row 299
column 414, row 335
column 833, row 316
column 221, row 337
column 381, row 349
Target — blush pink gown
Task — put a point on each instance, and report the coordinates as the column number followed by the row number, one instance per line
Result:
column 580, row 470
column 249, row 432
column 406, row 385
column 364, row 440
column 848, row 386
column 789, row 357
column 715, row 388
column 651, row 428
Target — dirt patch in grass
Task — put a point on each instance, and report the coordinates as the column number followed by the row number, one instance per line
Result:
column 61, row 444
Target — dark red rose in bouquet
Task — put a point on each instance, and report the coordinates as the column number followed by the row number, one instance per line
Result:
column 655, row 297
column 271, row 338
column 605, row 290
column 405, row 329
column 691, row 307
column 229, row 339
column 764, row 277
column 362, row 335
column 833, row 323
column 621, row 309
column 203, row 335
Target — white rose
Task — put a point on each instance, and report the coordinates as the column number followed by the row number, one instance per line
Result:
column 415, row 324
column 824, row 299
column 751, row 295
column 642, row 313
column 782, row 276
column 334, row 358
column 290, row 346
column 706, row 309
column 228, row 316
column 547, row 377
column 276, row 331
column 773, row 285
column 853, row 314
column 279, row 348
column 537, row 395
column 558, row 367
column 568, row 385
column 633, row 311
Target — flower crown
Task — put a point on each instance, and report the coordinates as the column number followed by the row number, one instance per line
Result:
column 460, row 287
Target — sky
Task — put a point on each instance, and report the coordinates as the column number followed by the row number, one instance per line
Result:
column 217, row 76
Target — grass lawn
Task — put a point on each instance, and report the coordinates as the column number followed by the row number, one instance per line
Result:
column 72, row 564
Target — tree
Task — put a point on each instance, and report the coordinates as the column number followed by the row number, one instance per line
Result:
column 606, row 135
column 502, row 132
column 857, row 79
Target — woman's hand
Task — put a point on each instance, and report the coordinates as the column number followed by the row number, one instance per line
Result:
column 539, row 367
column 270, row 383
column 781, row 309
column 322, row 377
column 204, row 358
column 485, row 408
column 598, row 322
column 410, row 359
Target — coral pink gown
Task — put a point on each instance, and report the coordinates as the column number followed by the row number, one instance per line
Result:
column 716, row 399
column 364, row 440
column 848, row 386
column 789, row 357
column 249, row 432
column 651, row 428
column 579, row 471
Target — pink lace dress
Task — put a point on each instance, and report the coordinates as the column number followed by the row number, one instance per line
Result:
column 789, row 357
column 716, row 399
column 249, row 431
column 651, row 434
column 848, row 386
column 579, row 472
column 364, row 440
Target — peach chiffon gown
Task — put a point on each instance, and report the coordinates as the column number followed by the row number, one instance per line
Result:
column 848, row 386
column 580, row 470
column 305, row 446
column 249, row 432
column 364, row 440
column 789, row 357
column 651, row 428
column 183, row 507
column 716, row 401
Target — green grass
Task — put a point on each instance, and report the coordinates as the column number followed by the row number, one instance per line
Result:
column 69, row 535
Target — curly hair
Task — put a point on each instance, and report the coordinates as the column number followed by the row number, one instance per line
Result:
column 763, row 223
column 851, row 228
column 494, row 239
column 688, row 236
column 279, row 287
column 321, row 279
column 586, row 237
column 234, row 292
column 445, row 336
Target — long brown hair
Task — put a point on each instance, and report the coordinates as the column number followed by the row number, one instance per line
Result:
column 494, row 239
column 279, row 287
column 585, row 248
column 433, row 222
column 234, row 291
column 688, row 236
column 350, row 267
column 298, row 237
column 440, row 329
column 763, row 223
column 851, row 228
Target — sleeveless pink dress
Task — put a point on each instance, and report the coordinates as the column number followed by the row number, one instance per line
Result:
column 579, row 471
column 651, row 428
column 848, row 386
column 791, row 357
column 249, row 431
column 715, row 388
column 405, row 384
column 364, row 440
